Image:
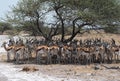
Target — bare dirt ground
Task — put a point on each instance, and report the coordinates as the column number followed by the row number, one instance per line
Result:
column 58, row 72
column 80, row 72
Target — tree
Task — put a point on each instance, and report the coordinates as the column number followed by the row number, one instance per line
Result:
column 66, row 13
column 5, row 26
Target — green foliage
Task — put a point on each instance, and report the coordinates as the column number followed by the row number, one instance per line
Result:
column 5, row 26
column 111, row 29
column 99, row 9
column 86, row 9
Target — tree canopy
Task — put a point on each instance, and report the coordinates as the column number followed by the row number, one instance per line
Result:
column 65, row 14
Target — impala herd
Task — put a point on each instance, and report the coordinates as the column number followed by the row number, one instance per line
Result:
column 86, row 51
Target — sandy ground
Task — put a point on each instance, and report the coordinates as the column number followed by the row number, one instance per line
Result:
column 59, row 72
column 80, row 73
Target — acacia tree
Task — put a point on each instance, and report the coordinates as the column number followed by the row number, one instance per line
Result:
column 66, row 13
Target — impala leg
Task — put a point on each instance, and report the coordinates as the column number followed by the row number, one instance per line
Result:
column 8, row 56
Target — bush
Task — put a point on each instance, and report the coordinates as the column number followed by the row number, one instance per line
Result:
column 111, row 29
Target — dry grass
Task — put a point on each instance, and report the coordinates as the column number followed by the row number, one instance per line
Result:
column 3, row 57
column 93, row 34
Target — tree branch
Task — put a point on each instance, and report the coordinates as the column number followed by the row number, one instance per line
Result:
column 56, row 8
column 78, row 31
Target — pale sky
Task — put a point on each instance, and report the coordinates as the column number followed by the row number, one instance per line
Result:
column 5, row 6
